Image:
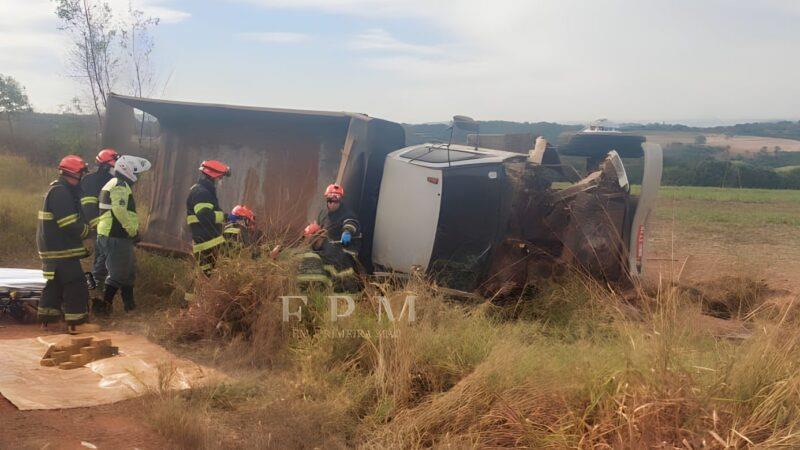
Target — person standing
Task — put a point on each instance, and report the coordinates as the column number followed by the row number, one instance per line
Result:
column 61, row 229
column 118, row 232
column 91, row 185
column 204, row 216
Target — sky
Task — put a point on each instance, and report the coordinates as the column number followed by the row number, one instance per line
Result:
column 689, row 61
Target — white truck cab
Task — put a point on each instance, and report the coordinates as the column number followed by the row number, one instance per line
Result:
column 450, row 210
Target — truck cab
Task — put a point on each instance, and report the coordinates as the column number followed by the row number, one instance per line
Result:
column 462, row 214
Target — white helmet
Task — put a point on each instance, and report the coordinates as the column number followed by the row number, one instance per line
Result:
column 128, row 166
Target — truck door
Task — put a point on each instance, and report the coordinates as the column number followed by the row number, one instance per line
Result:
column 651, row 182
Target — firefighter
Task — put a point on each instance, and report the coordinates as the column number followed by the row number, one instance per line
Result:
column 204, row 216
column 91, row 185
column 118, row 231
column 339, row 221
column 240, row 232
column 61, row 229
column 325, row 264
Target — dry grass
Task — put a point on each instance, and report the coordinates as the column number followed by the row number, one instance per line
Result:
column 574, row 366
column 21, row 195
column 577, row 366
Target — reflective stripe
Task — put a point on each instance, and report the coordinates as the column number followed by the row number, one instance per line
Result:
column 88, row 200
column 45, row 311
column 201, row 206
column 49, row 275
column 310, row 255
column 335, row 273
column 219, row 216
column 86, row 230
column 232, row 230
column 208, row 244
column 67, row 220
column 64, row 253
column 44, row 215
column 190, row 219
column 307, row 278
column 206, row 266
column 104, row 205
column 68, row 223
column 94, row 221
column 75, row 317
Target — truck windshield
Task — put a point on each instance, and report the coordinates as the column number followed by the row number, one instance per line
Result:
column 436, row 155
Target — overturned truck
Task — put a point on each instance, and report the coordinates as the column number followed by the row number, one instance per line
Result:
column 473, row 218
column 281, row 161
column 496, row 221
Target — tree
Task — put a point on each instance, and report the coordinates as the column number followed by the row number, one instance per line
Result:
column 104, row 50
column 700, row 140
column 13, row 100
column 137, row 40
column 94, row 54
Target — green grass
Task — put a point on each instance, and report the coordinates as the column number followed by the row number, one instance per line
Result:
column 730, row 194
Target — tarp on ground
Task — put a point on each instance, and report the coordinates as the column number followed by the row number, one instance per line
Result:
column 21, row 279
column 281, row 160
column 140, row 366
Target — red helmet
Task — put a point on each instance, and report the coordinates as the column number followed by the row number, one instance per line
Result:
column 73, row 165
column 243, row 211
column 312, row 229
column 107, row 156
column 334, row 192
column 215, row 169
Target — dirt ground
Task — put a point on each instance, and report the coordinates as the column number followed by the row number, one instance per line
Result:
column 116, row 426
column 743, row 145
column 697, row 240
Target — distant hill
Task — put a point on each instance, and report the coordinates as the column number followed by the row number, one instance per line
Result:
column 783, row 129
column 440, row 132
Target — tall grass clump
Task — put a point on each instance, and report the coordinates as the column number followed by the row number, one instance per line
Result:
column 577, row 365
column 22, row 187
column 240, row 301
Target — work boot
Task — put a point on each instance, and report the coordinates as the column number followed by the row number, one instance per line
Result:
column 127, row 298
column 101, row 307
column 83, row 328
column 108, row 297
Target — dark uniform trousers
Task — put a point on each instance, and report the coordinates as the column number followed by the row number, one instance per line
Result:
column 65, row 290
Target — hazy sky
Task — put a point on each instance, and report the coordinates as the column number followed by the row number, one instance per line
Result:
column 426, row 60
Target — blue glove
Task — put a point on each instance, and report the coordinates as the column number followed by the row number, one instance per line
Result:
column 346, row 238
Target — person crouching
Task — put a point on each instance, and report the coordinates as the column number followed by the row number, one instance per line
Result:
column 325, row 264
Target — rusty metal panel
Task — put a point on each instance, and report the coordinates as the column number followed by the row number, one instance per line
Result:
column 281, row 160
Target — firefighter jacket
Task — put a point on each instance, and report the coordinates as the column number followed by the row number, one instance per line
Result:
column 329, row 266
column 91, row 185
column 118, row 217
column 204, row 216
column 61, row 227
column 339, row 221
column 239, row 237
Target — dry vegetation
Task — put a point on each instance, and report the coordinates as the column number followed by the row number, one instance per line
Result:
column 577, row 365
